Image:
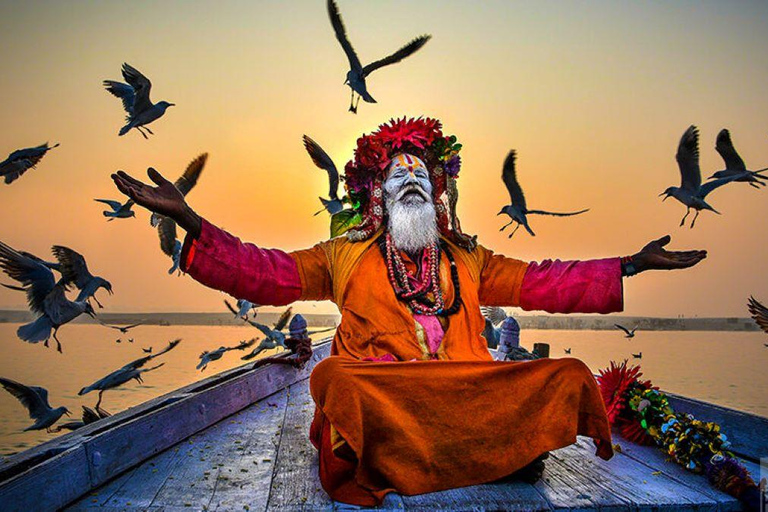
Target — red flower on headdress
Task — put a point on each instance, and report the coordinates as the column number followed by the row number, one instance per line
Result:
column 371, row 153
column 419, row 132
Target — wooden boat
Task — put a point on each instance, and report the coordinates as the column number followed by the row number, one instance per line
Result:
column 239, row 441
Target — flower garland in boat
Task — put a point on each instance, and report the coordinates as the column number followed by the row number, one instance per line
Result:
column 365, row 174
column 643, row 415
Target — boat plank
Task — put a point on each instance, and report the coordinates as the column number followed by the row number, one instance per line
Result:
column 212, row 457
column 250, row 470
column 575, row 478
column 53, row 483
column 296, row 482
column 493, row 496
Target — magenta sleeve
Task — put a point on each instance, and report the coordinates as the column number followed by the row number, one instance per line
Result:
column 592, row 286
column 221, row 261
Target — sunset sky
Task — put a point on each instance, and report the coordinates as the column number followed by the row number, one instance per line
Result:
column 593, row 95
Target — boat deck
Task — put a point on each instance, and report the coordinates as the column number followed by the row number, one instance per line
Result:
column 239, row 440
column 261, row 459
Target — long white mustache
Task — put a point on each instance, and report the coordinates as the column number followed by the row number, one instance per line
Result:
column 412, row 225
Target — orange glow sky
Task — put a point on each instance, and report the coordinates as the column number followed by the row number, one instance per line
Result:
column 593, row 95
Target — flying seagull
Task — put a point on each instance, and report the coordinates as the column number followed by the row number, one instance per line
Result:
column 274, row 337
column 124, row 328
column 734, row 165
column 242, row 309
column 45, row 296
column 89, row 416
column 759, row 313
column 691, row 192
column 357, row 73
column 567, row 350
column 74, row 270
column 629, row 334
column 35, row 399
column 638, row 356
column 517, row 210
column 166, row 227
column 323, row 161
column 119, row 210
column 22, row 160
column 132, row 370
column 214, row 355
column 135, row 95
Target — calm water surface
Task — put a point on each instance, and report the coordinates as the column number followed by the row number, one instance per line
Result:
column 727, row 368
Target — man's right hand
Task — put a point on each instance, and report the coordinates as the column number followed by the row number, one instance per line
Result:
column 164, row 199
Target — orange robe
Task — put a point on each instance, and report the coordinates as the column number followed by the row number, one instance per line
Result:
column 430, row 421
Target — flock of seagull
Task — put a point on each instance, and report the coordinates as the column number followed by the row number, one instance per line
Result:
column 46, row 293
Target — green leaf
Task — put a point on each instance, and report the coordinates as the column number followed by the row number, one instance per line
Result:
column 344, row 221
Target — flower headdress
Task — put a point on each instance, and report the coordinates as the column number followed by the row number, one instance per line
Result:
column 365, row 174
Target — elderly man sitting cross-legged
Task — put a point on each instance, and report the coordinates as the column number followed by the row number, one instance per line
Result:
column 410, row 400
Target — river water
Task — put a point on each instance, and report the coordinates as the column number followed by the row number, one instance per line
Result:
column 726, row 368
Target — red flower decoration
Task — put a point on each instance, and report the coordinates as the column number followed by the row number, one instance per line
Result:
column 614, row 383
column 418, row 132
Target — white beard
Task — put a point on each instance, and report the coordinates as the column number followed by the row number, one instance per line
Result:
column 413, row 226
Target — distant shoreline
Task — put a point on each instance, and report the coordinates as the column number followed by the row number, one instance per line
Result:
column 543, row 322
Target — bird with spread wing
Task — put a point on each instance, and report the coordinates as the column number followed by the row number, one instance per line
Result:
column 691, row 192
column 358, row 73
column 22, row 160
column 35, row 399
column 321, row 159
column 518, row 210
column 214, row 355
column 628, row 333
column 135, row 97
column 74, row 270
column 132, row 370
column 734, row 165
column 45, row 295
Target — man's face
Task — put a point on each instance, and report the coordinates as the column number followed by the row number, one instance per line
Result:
column 408, row 181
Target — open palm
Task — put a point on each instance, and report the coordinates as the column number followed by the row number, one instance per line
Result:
column 164, row 199
column 654, row 257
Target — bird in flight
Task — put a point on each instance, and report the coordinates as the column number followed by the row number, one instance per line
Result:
column 123, row 328
column 74, row 270
column 734, row 165
column 35, row 399
column 629, row 334
column 119, row 210
column 132, row 370
column 518, row 210
column 135, row 96
column 358, row 73
column 45, row 295
column 214, row 355
column 242, row 309
column 638, row 356
column 321, row 159
column 89, row 416
column 691, row 192
column 22, row 160
column 759, row 313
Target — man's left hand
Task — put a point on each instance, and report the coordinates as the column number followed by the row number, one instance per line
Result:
column 654, row 257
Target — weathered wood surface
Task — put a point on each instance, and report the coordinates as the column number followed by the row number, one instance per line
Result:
column 295, row 483
column 227, row 466
column 97, row 453
column 635, row 478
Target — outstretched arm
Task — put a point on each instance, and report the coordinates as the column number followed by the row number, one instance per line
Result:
column 592, row 286
column 221, row 261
